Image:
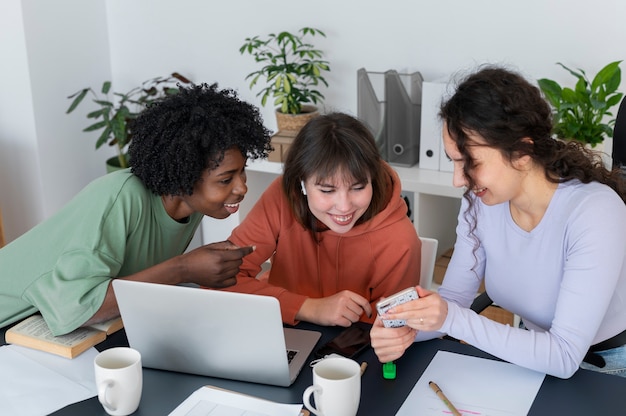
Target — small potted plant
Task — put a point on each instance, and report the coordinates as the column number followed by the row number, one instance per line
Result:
column 579, row 113
column 114, row 116
column 292, row 69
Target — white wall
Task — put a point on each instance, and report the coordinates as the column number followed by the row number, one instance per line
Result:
column 436, row 37
column 49, row 50
column 55, row 48
column 20, row 184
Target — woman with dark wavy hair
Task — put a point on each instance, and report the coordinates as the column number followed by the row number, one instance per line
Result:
column 188, row 158
column 542, row 223
column 334, row 227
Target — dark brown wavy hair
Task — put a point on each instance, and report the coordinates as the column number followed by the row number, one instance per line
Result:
column 506, row 110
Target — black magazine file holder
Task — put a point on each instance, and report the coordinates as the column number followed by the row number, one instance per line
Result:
column 619, row 138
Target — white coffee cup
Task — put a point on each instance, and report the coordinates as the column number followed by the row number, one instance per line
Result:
column 119, row 379
column 336, row 387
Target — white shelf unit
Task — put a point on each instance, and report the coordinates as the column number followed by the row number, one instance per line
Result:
column 435, row 202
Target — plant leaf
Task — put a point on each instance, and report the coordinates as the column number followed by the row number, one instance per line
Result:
column 104, row 137
column 77, row 100
column 98, row 113
column 606, row 76
column 95, row 126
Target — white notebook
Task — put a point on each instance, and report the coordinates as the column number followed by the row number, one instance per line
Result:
column 475, row 386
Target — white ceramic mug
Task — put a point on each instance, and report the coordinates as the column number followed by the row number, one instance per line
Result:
column 336, row 387
column 119, row 379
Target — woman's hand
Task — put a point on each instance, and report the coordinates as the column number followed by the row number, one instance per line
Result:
column 390, row 343
column 427, row 313
column 341, row 309
column 213, row 265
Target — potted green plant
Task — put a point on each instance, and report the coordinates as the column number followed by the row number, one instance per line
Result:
column 580, row 113
column 292, row 69
column 114, row 115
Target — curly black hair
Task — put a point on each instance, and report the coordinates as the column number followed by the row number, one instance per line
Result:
column 178, row 137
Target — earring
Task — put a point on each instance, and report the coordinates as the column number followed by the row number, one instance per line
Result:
column 302, row 187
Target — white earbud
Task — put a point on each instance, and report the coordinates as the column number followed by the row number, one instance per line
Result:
column 303, row 188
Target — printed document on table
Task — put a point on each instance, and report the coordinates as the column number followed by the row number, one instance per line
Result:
column 475, row 386
column 213, row 401
column 35, row 383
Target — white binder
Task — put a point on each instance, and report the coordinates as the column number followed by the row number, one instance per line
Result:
column 445, row 163
column 431, row 147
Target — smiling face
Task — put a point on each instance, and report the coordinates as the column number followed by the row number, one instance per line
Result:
column 218, row 192
column 338, row 202
column 496, row 180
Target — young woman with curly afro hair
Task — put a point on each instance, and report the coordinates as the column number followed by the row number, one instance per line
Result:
column 188, row 156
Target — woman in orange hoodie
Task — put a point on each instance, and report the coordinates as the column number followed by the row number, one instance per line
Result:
column 334, row 227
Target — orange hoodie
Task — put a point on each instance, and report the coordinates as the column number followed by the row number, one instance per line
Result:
column 374, row 259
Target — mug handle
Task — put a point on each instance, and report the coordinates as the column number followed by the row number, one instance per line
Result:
column 103, row 387
column 306, row 399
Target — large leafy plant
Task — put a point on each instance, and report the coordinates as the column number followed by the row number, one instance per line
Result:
column 115, row 111
column 580, row 113
column 292, row 68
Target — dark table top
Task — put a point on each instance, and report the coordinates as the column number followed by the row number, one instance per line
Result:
column 586, row 393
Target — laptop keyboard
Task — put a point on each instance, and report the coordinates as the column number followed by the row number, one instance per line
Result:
column 291, row 354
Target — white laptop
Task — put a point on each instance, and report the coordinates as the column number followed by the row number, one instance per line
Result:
column 212, row 333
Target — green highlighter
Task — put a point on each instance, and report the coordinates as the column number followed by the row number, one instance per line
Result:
column 389, row 370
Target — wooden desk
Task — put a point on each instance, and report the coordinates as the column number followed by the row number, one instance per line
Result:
column 586, row 393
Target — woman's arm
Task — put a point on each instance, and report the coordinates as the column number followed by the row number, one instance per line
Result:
column 213, row 265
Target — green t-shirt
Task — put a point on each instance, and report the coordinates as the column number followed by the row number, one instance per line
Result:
column 62, row 267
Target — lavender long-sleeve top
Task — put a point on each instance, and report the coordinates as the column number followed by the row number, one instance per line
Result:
column 566, row 279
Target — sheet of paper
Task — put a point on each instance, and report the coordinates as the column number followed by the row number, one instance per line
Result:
column 217, row 402
column 475, row 386
column 35, row 383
